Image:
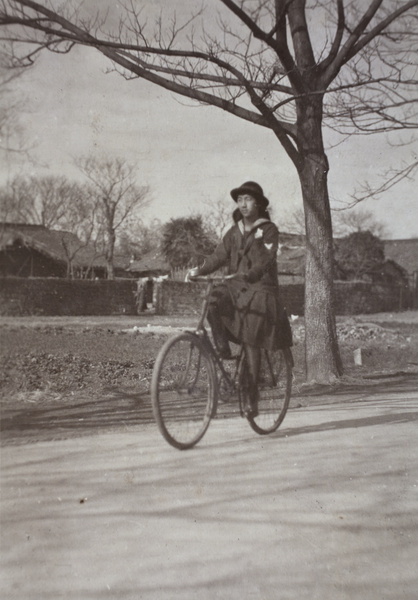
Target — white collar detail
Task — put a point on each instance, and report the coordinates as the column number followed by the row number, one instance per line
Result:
column 254, row 226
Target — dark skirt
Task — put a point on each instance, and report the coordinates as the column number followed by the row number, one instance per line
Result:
column 253, row 315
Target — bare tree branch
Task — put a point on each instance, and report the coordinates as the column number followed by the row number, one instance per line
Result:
column 266, row 62
column 117, row 197
column 390, row 179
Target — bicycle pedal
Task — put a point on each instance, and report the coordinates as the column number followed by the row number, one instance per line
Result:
column 251, row 412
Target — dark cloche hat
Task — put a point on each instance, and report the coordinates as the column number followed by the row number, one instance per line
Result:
column 253, row 189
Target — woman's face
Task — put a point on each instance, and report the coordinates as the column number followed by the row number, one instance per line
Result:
column 248, row 207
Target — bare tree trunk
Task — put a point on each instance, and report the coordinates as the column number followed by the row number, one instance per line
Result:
column 321, row 346
column 111, row 239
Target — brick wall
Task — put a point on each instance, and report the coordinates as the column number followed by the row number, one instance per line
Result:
column 55, row 296
column 42, row 296
column 357, row 297
column 180, row 298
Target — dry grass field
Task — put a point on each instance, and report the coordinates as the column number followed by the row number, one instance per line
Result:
column 85, row 373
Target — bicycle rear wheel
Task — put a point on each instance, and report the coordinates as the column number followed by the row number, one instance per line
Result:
column 274, row 388
column 183, row 390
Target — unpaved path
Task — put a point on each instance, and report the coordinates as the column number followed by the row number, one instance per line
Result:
column 325, row 509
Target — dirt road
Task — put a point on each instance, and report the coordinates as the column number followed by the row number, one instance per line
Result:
column 324, row 509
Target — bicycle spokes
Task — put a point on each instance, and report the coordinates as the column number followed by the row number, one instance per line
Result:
column 274, row 387
column 183, row 390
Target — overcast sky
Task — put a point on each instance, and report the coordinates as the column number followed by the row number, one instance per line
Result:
column 188, row 155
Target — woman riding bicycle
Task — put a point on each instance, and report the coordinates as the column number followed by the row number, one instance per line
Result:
column 246, row 308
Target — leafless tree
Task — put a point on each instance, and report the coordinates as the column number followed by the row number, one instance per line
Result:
column 80, row 219
column 139, row 238
column 291, row 67
column 345, row 221
column 55, row 203
column 294, row 222
column 358, row 220
column 94, row 211
column 218, row 216
column 389, row 179
column 117, row 199
column 43, row 201
column 13, row 139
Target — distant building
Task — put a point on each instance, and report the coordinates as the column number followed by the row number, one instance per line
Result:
column 388, row 273
column 405, row 253
column 401, row 260
column 152, row 264
column 36, row 251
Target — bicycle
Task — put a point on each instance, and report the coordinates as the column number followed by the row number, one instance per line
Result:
column 189, row 376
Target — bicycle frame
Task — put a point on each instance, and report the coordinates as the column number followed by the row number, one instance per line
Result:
column 189, row 376
column 202, row 333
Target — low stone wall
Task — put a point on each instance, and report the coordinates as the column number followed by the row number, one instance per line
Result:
column 55, row 296
column 180, row 298
column 356, row 297
column 359, row 297
column 63, row 297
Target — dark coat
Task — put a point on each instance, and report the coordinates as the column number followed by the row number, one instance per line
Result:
column 253, row 254
column 250, row 307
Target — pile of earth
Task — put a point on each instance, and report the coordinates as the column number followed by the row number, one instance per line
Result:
column 66, row 361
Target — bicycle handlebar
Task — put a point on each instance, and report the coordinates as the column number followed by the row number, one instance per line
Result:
column 210, row 278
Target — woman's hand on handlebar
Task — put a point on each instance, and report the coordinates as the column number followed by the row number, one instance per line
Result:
column 239, row 276
column 190, row 275
column 193, row 275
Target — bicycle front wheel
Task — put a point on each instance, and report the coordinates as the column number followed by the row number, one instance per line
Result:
column 274, row 388
column 183, row 390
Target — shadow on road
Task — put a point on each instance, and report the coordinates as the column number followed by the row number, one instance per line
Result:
column 122, row 408
column 400, row 382
column 115, row 409
column 390, row 419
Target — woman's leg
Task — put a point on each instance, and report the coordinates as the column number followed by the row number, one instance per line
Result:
column 253, row 356
column 219, row 333
column 219, row 302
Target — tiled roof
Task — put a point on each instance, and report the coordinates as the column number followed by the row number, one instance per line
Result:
column 403, row 252
column 51, row 243
column 152, row 262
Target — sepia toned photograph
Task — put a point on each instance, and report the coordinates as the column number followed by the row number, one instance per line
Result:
column 208, row 299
